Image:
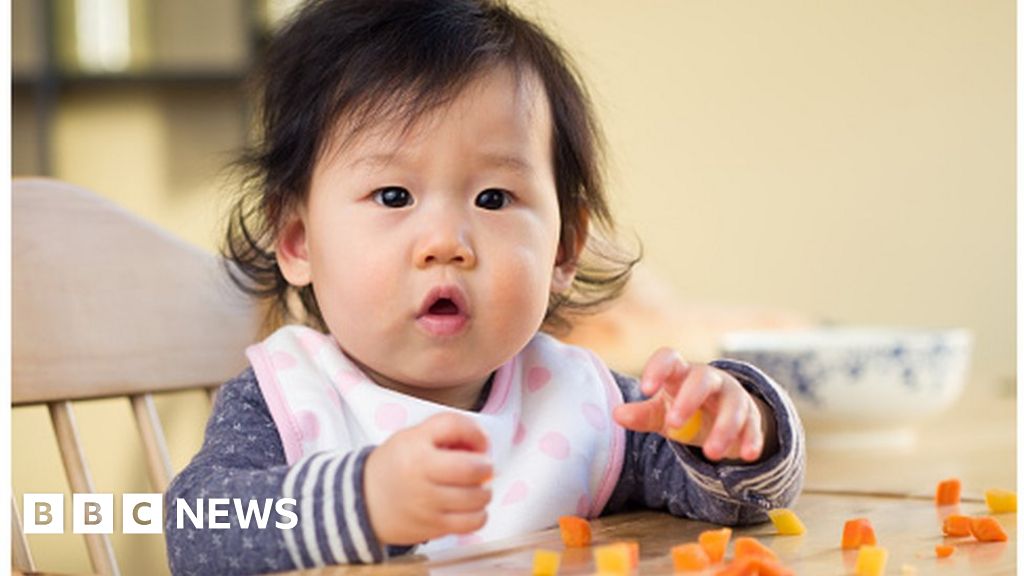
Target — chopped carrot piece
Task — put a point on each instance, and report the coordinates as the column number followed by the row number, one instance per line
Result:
column 943, row 550
column 999, row 500
column 858, row 532
column 745, row 566
column 545, row 562
column 613, row 559
column 714, row 543
column 689, row 557
column 871, row 561
column 786, row 522
column 575, row 531
column 754, row 566
column 956, row 525
column 948, row 492
column 747, row 546
column 987, row 529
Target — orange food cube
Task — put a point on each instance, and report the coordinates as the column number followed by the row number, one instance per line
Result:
column 948, row 492
column 956, row 525
column 689, row 557
column 714, row 543
column 545, row 562
column 786, row 522
column 999, row 500
column 987, row 529
column 871, row 561
column 633, row 547
column 858, row 532
column 943, row 550
column 575, row 531
column 754, row 566
column 688, row 431
column 614, row 558
column 747, row 546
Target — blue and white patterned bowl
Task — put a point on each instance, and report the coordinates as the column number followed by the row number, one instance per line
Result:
column 849, row 379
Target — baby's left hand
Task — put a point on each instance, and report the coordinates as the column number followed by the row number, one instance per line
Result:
column 731, row 424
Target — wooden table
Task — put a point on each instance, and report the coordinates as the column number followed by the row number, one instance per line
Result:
column 894, row 488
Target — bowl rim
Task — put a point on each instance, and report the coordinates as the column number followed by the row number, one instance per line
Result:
column 841, row 337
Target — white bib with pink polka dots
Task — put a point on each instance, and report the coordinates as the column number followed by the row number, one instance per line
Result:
column 555, row 448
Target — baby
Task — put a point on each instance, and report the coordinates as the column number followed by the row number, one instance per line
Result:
column 423, row 198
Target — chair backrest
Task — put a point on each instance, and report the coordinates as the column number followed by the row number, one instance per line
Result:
column 105, row 304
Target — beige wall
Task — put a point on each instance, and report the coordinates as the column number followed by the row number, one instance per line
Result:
column 851, row 159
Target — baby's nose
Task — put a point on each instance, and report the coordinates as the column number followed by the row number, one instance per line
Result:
column 446, row 245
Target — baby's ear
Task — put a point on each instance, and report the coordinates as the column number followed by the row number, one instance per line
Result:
column 568, row 257
column 292, row 251
column 564, row 274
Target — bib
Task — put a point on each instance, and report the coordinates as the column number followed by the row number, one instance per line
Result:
column 555, row 449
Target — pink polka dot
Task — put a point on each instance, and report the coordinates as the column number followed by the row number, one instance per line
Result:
column 583, row 506
column 468, row 539
column 312, row 342
column 391, row 417
column 594, row 416
column 516, row 493
column 537, row 377
column 309, row 426
column 283, row 360
column 520, row 434
column 555, row 444
column 345, row 380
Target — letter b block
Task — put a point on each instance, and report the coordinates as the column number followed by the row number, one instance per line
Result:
column 92, row 513
column 43, row 513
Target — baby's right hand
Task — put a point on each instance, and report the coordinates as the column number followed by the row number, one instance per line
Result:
column 427, row 481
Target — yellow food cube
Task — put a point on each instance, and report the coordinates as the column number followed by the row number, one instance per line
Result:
column 545, row 562
column 908, row 570
column 613, row 558
column 871, row 561
column 688, row 431
column 999, row 500
column 786, row 522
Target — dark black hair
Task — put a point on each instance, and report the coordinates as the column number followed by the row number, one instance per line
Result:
column 364, row 61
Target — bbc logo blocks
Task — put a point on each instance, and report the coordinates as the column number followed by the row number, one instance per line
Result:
column 93, row 513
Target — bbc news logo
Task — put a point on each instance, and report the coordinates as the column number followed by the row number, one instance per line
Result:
column 143, row 513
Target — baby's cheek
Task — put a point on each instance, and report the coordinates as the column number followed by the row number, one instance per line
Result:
column 520, row 294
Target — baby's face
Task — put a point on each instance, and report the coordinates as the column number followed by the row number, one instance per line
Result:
column 432, row 252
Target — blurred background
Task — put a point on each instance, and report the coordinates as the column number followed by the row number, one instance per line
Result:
column 850, row 161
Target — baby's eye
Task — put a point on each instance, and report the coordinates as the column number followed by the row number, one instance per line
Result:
column 493, row 199
column 393, row 197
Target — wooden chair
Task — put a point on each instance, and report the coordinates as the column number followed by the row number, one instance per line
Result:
column 105, row 304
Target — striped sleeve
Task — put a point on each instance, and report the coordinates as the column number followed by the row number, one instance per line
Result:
column 242, row 458
column 663, row 475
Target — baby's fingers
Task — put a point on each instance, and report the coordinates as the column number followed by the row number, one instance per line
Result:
column 457, row 468
column 665, row 369
column 451, row 499
column 733, row 417
column 701, row 382
column 752, row 437
column 645, row 416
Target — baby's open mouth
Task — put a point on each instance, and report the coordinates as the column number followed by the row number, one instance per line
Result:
column 443, row 307
column 445, row 312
